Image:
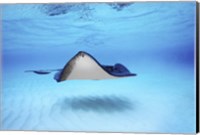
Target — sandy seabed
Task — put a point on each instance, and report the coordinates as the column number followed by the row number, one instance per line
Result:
column 135, row 104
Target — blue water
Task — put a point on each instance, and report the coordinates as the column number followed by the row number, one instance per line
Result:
column 155, row 40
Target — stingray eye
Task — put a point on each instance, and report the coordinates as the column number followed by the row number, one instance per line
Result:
column 82, row 55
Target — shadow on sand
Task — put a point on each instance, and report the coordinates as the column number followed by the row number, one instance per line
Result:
column 96, row 104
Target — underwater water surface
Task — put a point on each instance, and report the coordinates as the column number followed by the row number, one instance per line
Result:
column 155, row 40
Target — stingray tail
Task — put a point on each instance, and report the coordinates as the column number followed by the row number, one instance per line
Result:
column 42, row 72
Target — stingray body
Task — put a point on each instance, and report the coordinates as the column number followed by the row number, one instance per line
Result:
column 83, row 66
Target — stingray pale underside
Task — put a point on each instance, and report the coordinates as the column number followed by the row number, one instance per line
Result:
column 83, row 66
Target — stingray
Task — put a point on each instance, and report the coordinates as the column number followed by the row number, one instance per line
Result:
column 84, row 66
